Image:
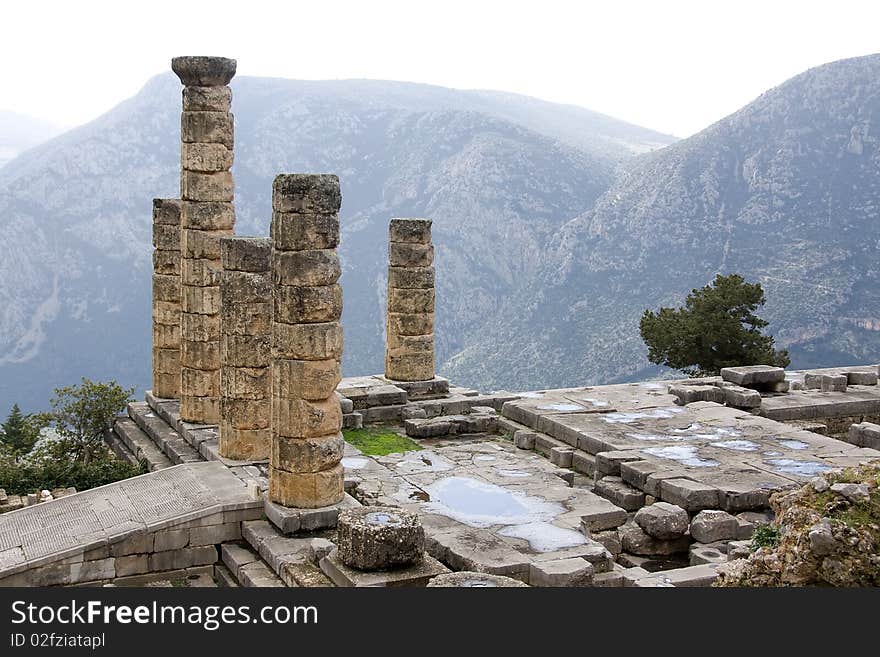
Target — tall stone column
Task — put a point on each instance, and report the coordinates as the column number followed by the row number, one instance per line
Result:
column 245, row 341
column 206, row 131
column 305, row 469
column 166, row 298
column 409, row 334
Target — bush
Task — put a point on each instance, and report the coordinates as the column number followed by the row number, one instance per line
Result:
column 24, row 478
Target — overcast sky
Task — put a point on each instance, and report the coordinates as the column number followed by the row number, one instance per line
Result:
column 672, row 65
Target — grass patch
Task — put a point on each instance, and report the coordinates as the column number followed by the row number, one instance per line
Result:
column 378, row 441
column 765, row 536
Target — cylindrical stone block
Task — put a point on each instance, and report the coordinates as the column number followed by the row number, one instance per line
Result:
column 245, row 353
column 379, row 538
column 166, row 298
column 305, row 461
column 409, row 326
column 207, row 214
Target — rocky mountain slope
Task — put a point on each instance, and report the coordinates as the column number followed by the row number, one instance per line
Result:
column 785, row 191
column 498, row 173
column 19, row 132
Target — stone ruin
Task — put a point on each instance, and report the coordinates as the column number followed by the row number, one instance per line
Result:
column 253, row 484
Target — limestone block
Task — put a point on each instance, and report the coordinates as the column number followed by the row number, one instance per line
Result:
column 246, row 254
column 166, row 361
column 166, row 237
column 312, row 380
column 166, row 386
column 298, row 418
column 865, row 434
column 306, row 490
column 409, row 345
column 742, row 397
column 636, row 541
column 199, row 409
column 469, row 579
column 214, row 534
column 859, row 378
column 296, row 304
column 200, row 300
column 410, row 301
column 197, row 271
column 247, row 318
column 307, row 454
column 752, row 375
column 410, row 324
column 166, row 312
column 200, row 328
column 413, row 367
column 245, row 444
column 245, row 350
column 410, row 278
column 574, row 572
column 166, row 288
column 300, row 232
column 199, row 383
column 663, row 521
column 710, row 526
column 402, row 254
column 166, row 211
column 379, row 538
column 619, row 492
column 306, row 193
column 206, row 158
column 524, row 439
column 218, row 215
column 200, row 355
column 692, row 496
column 307, row 341
column 198, row 186
column 411, row 231
column 686, row 394
column 245, row 382
column 171, row 539
column 207, row 99
column 202, row 243
column 834, row 383
column 207, row 128
column 166, row 262
column 308, row 268
column 247, row 413
column 203, row 71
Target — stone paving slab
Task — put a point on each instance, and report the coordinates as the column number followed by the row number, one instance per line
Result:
column 812, row 404
column 68, row 527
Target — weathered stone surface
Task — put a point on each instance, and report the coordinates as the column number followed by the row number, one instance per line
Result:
column 692, row 496
column 246, row 254
column 310, row 490
column 409, row 278
column 399, row 324
column 198, row 71
column 311, row 380
column 686, row 394
column 307, row 341
column 402, row 254
column 207, row 99
column 861, row 378
column 306, row 193
column 637, row 541
column 865, row 434
column 710, row 526
column 310, row 267
column 411, row 231
column 206, row 158
column 620, row 493
column 410, row 301
column 299, row 232
column 834, row 383
column 740, row 397
column 409, row 367
column 307, row 454
column 207, row 128
column 663, row 521
column 855, row 493
column 752, row 375
column 296, row 304
column 524, row 439
column 208, row 216
column 470, row 579
column 299, row 418
column 199, row 186
column 561, row 573
column 379, row 538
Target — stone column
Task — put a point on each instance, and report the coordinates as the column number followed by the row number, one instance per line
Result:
column 166, row 298
column 245, row 340
column 409, row 330
column 305, row 469
column 207, row 214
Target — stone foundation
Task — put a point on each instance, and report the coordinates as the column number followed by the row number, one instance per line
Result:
column 166, row 298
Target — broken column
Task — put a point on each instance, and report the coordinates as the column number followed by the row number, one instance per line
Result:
column 409, row 334
column 305, row 469
column 166, row 298
column 206, row 131
column 245, row 345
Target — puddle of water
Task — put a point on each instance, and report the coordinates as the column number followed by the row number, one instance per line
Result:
column 684, row 454
column 514, row 474
column 696, row 426
column 544, row 537
column 793, row 444
column 562, row 407
column 596, row 402
column 485, row 457
column 655, row 437
column 381, row 518
column 737, row 445
column 149, row 415
column 353, row 462
column 627, row 418
column 480, row 504
column 803, row 468
column 531, row 395
column 652, row 386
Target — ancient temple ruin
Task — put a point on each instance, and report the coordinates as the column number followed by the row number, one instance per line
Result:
column 253, row 483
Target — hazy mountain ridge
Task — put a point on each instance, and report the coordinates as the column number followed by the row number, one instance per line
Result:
column 785, row 191
column 19, row 132
column 76, row 211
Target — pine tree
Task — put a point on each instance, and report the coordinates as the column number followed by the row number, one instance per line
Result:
column 19, row 433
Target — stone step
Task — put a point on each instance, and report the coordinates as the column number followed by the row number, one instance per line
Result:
column 224, row 577
column 247, row 568
column 119, row 448
column 170, row 441
column 140, row 444
column 292, row 559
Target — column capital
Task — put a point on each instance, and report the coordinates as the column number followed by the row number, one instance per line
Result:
column 204, row 71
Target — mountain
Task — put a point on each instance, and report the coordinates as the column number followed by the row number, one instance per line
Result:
column 786, row 191
column 500, row 175
column 19, row 132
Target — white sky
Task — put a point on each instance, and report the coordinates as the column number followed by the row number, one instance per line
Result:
column 672, row 65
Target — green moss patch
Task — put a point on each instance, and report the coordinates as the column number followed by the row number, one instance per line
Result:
column 379, row 441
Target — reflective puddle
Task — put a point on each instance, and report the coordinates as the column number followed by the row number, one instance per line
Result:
column 354, row 462
column 803, row 468
column 626, row 418
column 544, row 537
column 562, row 407
column 684, row 454
column 793, row 444
column 737, row 445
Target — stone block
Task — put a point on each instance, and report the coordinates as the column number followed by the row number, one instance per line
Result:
column 200, row 383
column 833, row 383
column 636, row 473
column 692, row 496
column 411, row 278
column 306, row 490
column 206, row 158
column 700, row 554
column 379, row 538
column 561, row 573
column 298, row 418
column 418, row 574
column 218, row 215
column 200, row 409
column 752, row 375
column 245, row 382
column 410, row 324
column 312, row 267
column 307, row 341
column 561, row 456
column 709, row 526
column 303, row 193
column 166, row 211
column 410, row 301
column 610, row 538
column 663, row 521
column 245, row 350
column 207, row 99
column 244, row 444
column 247, row 319
column 290, row 520
column 133, row 564
column 198, row 186
column 200, row 328
column 207, row 128
column 296, row 304
column 620, row 493
column 687, row 394
column 214, row 534
column 409, row 345
column 200, row 301
column 166, row 262
column 600, row 514
column 166, row 237
column 636, row 541
column 138, row 543
column 300, row 232
column 410, row 231
column 183, row 558
column 307, row 454
column 608, row 463
column 865, row 434
column 402, row 254
column 583, row 463
column 861, row 378
column 239, row 287
column 171, row 539
column 246, row 254
column 740, row 397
